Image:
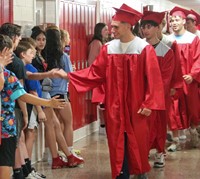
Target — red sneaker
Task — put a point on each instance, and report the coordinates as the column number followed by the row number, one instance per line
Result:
column 58, row 163
column 74, row 160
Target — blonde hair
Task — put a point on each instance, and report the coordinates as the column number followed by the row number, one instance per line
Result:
column 53, row 27
column 64, row 34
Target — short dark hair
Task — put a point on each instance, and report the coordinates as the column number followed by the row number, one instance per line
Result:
column 36, row 30
column 23, row 46
column 145, row 22
column 188, row 18
column 5, row 41
column 10, row 30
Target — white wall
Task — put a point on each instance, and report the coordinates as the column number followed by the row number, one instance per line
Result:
column 159, row 5
column 47, row 11
column 24, row 14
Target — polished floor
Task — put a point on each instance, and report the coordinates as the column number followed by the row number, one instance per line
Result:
column 184, row 164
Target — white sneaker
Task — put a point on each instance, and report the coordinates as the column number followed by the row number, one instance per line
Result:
column 182, row 135
column 30, row 176
column 174, row 147
column 159, row 160
column 37, row 174
column 61, row 154
column 33, row 175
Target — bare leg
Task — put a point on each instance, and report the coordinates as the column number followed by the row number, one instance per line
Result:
column 66, row 116
column 59, row 135
column 30, row 139
column 5, row 172
column 50, row 132
column 21, row 152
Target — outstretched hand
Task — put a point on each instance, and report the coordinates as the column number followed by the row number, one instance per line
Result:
column 5, row 57
column 144, row 111
column 61, row 73
column 57, row 103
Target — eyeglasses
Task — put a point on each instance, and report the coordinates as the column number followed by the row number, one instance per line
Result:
column 148, row 26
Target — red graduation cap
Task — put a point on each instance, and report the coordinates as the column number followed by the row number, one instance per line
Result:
column 195, row 16
column 178, row 11
column 127, row 14
column 153, row 16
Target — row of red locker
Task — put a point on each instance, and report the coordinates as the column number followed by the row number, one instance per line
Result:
column 79, row 20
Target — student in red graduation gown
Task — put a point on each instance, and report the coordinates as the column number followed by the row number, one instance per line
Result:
column 176, row 83
column 158, row 120
column 192, row 22
column 188, row 98
column 133, row 87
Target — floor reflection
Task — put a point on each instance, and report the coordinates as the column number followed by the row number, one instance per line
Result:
column 184, row 164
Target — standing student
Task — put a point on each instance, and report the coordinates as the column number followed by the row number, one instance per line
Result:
column 53, row 131
column 128, row 66
column 5, row 59
column 13, row 90
column 26, row 52
column 65, row 39
column 188, row 98
column 17, row 67
column 99, row 38
column 192, row 22
column 57, row 59
column 176, row 83
column 158, row 120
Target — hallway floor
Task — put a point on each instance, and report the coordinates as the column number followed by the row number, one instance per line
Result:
column 184, row 164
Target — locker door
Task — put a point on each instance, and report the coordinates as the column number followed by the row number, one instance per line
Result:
column 79, row 19
column 106, row 16
column 6, row 11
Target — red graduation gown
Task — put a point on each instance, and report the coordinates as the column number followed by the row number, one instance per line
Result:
column 158, row 122
column 177, row 80
column 188, row 102
column 132, row 81
column 174, row 119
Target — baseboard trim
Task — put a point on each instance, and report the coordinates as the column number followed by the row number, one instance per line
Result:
column 86, row 130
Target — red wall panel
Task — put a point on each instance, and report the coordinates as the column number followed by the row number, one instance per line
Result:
column 6, row 11
column 106, row 16
column 79, row 20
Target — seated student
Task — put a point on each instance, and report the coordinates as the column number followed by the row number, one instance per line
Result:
column 13, row 90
